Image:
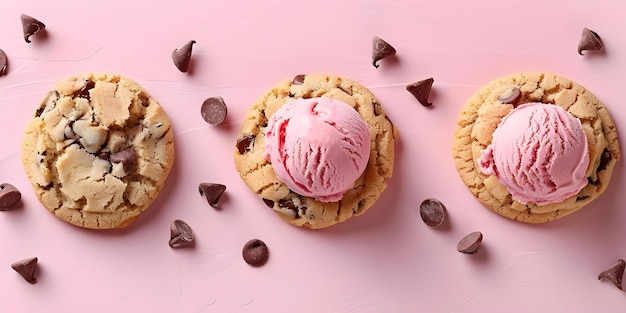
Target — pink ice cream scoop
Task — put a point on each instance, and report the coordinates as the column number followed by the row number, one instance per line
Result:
column 318, row 147
column 539, row 152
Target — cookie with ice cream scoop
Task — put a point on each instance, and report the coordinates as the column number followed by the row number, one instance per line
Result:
column 535, row 147
column 317, row 149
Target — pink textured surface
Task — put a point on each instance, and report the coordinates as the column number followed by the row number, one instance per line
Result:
column 318, row 147
column 387, row 260
column 539, row 152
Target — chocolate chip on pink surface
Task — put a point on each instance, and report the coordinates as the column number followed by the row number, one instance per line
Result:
column 127, row 157
column 212, row 192
column 26, row 268
column 31, row 26
column 182, row 56
column 4, row 63
column 615, row 274
column 510, row 96
column 433, row 212
column 255, row 252
column 421, row 90
column 589, row 40
column 180, row 234
column 380, row 50
column 9, row 196
column 470, row 244
column 213, row 110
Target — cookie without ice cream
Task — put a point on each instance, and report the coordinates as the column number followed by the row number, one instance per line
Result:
column 98, row 150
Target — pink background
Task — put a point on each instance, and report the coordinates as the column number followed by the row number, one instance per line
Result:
column 387, row 260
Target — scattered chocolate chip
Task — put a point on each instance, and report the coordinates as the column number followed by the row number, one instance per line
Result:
column 470, row 243
column 380, row 50
column 213, row 110
column 9, row 196
column 510, row 96
column 605, row 159
column 421, row 90
column 127, row 157
column 244, row 142
column 614, row 274
column 31, row 26
column 298, row 79
column 288, row 204
column 182, row 56
column 212, row 192
column 180, row 234
column 268, row 202
column 84, row 92
column 255, row 252
column 433, row 212
column 26, row 268
column 589, row 40
column 4, row 62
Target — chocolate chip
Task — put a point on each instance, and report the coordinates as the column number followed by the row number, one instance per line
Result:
column 298, row 80
column 31, row 26
column 589, row 40
column 26, row 268
column 268, row 202
column 182, row 56
column 213, row 110
column 212, row 192
column 255, row 252
column 180, row 234
column 433, row 212
column 84, row 92
column 614, row 274
column 380, row 50
column 104, row 155
column 510, row 96
column 127, row 157
column 605, row 159
column 4, row 62
column 470, row 243
column 9, row 196
column 244, row 142
column 421, row 90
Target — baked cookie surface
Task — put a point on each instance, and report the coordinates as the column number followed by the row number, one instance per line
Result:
column 296, row 209
column 98, row 150
column 482, row 113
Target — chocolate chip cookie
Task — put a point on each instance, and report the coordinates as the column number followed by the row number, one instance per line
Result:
column 481, row 115
column 98, row 150
column 300, row 210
